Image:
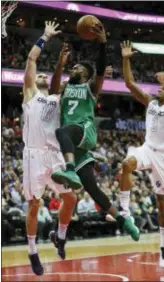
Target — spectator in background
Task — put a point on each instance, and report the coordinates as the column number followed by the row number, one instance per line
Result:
column 137, row 213
column 54, row 203
column 44, row 221
column 86, row 204
column 46, row 197
column 16, row 194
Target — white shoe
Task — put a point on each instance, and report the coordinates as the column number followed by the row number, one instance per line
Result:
column 110, row 218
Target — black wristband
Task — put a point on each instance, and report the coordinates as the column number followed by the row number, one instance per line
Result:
column 101, row 60
column 40, row 43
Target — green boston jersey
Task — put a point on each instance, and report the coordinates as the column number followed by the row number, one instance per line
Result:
column 77, row 104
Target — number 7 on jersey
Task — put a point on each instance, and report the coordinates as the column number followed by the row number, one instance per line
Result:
column 73, row 104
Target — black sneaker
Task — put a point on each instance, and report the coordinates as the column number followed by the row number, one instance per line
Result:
column 37, row 268
column 58, row 243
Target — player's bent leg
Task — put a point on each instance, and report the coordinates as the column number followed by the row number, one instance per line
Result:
column 88, row 180
column 126, row 182
column 31, row 227
column 65, row 214
column 69, row 137
column 160, row 205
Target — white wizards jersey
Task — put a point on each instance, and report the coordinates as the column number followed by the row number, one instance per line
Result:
column 155, row 125
column 41, row 119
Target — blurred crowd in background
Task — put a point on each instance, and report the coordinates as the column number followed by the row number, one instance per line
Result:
column 88, row 217
column 15, row 50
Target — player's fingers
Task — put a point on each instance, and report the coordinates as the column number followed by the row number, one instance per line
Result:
column 65, row 46
column 128, row 43
column 66, row 50
column 95, row 28
column 53, row 23
column 121, row 45
column 56, row 26
column 49, row 23
column 67, row 53
column 108, row 67
column 124, row 44
column 99, row 25
column 46, row 23
column 57, row 32
column 135, row 52
column 99, row 28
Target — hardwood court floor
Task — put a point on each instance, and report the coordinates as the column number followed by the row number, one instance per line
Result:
column 107, row 259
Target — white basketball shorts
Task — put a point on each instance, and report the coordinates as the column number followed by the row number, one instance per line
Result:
column 149, row 158
column 38, row 165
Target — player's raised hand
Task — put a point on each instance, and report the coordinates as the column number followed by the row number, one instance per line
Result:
column 51, row 29
column 64, row 54
column 99, row 31
column 126, row 48
column 108, row 71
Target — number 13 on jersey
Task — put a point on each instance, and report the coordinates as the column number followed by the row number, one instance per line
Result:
column 73, row 104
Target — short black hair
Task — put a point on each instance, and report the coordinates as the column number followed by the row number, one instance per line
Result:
column 89, row 68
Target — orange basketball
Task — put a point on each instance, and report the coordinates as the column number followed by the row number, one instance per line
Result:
column 84, row 25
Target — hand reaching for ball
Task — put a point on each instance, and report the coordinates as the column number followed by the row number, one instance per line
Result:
column 99, row 31
column 64, row 55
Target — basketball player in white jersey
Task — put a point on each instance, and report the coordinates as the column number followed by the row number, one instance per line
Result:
column 151, row 154
column 41, row 153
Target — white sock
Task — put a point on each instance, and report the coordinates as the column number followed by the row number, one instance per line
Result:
column 32, row 244
column 124, row 201
column 62, row 230
column 162, row 237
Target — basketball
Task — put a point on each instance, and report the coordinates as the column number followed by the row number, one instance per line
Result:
column 84, row 25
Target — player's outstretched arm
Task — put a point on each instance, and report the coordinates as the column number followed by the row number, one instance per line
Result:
column 29, row 88
column 137, row 92
column 96, row 84
column 56, row 85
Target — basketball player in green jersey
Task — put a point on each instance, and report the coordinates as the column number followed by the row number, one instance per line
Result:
column 77, row 134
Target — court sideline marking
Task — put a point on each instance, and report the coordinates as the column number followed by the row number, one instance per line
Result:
column 124, row 278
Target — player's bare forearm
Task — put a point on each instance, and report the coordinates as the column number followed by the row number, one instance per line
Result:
column 31, row 67
column 56, row 79
column 127, row 71
column 30, row 71
column 132, row 86
column 96, row 85
column 97, row 82
column 138, row 94
column 136, row 91
column 56, row 86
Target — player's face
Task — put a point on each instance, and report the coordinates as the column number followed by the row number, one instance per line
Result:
column 76, row 74
column 161, row 92
column 42, row 81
